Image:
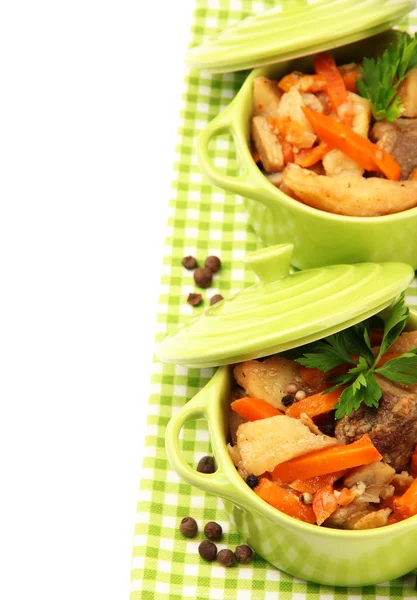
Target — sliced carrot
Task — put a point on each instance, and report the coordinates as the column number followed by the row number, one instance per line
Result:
column 324, row 64
column 324, row 503
column 386, row 357
column 310, row 156
column 389, row 502
column 346, row 497
column 254, row 409
column 392, row 519
column 377, row 335
column 290, row 130
column 284, row 500
column 316, row 483
column 349, row 79
column 364, row 152
column 315, row 405
column 314, row 378
column 406, row 505
column 329, row 460
column 304, row 83
column 413, row 466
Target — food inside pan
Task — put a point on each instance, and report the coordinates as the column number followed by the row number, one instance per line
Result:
column 327, row 433
column 344, row 138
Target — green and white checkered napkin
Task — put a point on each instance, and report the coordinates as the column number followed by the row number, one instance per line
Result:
column 204, row 220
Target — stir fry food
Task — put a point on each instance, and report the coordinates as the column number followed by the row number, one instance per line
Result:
column 327, row 433
column 343, row 139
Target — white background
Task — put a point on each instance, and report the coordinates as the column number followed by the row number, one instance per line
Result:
column 89, row 105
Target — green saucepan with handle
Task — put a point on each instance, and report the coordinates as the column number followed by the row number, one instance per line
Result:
column 319, row 237
column 263, row 318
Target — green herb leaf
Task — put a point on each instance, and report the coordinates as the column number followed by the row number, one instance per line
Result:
column 394, row 325
column 402, row 369
column 383, row 75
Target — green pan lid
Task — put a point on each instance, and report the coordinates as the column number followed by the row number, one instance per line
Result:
column 283, row 310
column 295, row 28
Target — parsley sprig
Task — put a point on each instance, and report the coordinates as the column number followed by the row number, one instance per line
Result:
column 353, row 346
column 383, row 75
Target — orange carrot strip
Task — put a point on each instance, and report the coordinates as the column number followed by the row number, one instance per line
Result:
column 288, row 81
column 324, row 64
column 315, row 405
column 389, row 502
column 284, row 500
column 314, row 378
column 310, row 156
column 349, row 79
column 386, row 357
column 329, row 460
column 316, row 483
column 413, row 467
column 254, row 409
column 346, row 497
column 324, row 503
column 392, row 519
column 406, row 505
column 364, row 152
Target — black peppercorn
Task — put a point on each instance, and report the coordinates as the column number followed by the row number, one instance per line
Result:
column 189, row 262
column 206, row 465
column 194, row 299
column 287, row 400
column 207, row 550
column 252, row 481
column 203, row 277
column 188, row 527
column 213, row 263
column 216, row 298
column 243, row 554
column 226, row 558
column 213, row 531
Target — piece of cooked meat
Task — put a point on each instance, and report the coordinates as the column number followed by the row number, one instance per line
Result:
column 398, row 138
column 392, row 426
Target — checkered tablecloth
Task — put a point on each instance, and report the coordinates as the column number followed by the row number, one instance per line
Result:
column 204, row 220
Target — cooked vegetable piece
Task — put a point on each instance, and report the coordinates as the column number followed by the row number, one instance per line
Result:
column 406, row 505
column 345, row 497
column 302, row 83
column 338, row 135
column 312, row 102
column 350, row 195
column 324, row 64
column 373, row 519
column 265, row 443
column 314, row 378
column 345, row 516
column 407, row 92
column 324, row 503
column 316, row 483
column 267, row 145
column 284, row 500
column 401, row 482
column 291, row 110
column 325, row 461
column 387, row 357
column 349, row 78
column 309, row 157
column 253, row 409
column 266, row 97
column 267, row 379
column 315, row 405
column 375, row 473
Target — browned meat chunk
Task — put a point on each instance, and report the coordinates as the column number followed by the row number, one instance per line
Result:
column 399, row 138
column 392, row 426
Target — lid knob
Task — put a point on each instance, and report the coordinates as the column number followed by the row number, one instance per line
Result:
column 270, row 264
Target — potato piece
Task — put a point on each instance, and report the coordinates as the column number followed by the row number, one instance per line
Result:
column 237, row 461
column 401, row 482
column 266, row 443
column 291, row 106
column 408, row 94
column 376, row 473
column 375, row 518
column 267, row 380
column 267, row 144
column 312, row 102
column 351, row 195
column 266, row 97
column 275, row 179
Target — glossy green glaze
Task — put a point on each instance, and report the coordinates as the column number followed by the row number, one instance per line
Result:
column 320, row 238
column 284, row 310
column 326, row 556
column 295, row 28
